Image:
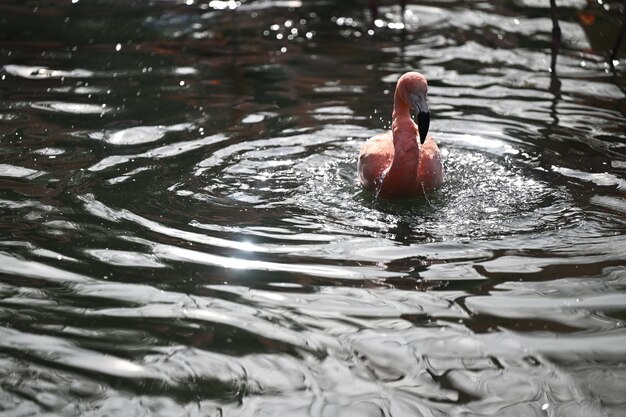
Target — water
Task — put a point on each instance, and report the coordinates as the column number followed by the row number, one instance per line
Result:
column 183, row 233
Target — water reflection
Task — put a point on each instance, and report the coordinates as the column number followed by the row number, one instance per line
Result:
column 183, row 232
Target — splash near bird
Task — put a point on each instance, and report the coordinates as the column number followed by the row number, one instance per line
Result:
column 403, row 162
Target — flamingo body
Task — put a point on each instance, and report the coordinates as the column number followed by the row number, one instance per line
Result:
column 405, row 161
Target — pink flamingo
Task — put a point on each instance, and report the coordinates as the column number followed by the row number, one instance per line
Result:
column 395, row 164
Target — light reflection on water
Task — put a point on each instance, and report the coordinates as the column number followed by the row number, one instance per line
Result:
column 183, row 232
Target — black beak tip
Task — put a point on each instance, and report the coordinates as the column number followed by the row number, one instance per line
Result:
column 423, row 123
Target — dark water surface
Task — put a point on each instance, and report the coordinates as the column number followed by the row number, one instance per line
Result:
column 182, row 233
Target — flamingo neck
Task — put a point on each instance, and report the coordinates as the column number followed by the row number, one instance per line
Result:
column 403, row 129
column 402, row 175
column 404, row 132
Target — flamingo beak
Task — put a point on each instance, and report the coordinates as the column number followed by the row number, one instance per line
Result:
column 423, row 115
column 423, row 122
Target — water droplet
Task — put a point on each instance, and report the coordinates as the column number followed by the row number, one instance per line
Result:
column 118, row 47
column 545, row 406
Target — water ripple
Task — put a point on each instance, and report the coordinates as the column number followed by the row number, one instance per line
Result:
column 183, row 232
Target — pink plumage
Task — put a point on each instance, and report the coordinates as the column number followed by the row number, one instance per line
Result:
column 405, row 161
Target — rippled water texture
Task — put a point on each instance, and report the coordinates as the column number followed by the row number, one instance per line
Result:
column 182, row 233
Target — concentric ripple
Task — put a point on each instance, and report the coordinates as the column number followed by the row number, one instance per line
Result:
column 183, row 232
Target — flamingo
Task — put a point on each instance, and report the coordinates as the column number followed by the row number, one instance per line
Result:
column 395, row 164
